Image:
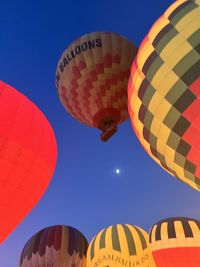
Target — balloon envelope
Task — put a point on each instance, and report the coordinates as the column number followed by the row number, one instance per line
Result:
column 164, row 92
column 175, row 242
column 28, row 153
column 91, row 79
column 55, row 246
column 120, row 245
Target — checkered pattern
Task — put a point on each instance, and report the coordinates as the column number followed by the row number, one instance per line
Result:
column 93, row 85
column 164, row 92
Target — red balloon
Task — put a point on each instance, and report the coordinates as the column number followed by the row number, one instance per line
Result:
column 28, row 153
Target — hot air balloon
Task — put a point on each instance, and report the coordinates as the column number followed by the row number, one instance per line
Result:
column 120, row 245
column 164, row 92
column 91, row 78
column 55, row 246
column 175, row 242
column 28, row 153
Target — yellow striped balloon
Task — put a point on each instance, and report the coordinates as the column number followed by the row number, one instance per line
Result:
column 164, row 92
column 91, row 78
column 175, row 242
column 118, row 246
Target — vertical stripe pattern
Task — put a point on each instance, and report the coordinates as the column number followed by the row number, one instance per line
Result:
column 176, row 242
column 55, row 245
column 177, row 228
column 118, row 245
column 129, row 232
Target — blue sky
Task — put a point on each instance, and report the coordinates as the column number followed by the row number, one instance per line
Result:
column 85, row 192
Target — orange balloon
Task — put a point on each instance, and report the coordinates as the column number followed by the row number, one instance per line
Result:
column 28, row 153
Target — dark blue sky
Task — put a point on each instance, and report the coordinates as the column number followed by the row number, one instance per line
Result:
column 85, row 192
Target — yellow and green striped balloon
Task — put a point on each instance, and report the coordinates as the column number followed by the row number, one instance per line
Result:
column 164, row 92
column 120, row 245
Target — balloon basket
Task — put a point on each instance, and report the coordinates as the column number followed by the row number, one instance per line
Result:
column 108, row 132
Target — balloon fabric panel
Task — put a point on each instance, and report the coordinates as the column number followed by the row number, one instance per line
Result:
column 28, row 153
column 92, row 77
column 164, row 92
column 176, row 242
column 120, row 245
column 55, row 246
